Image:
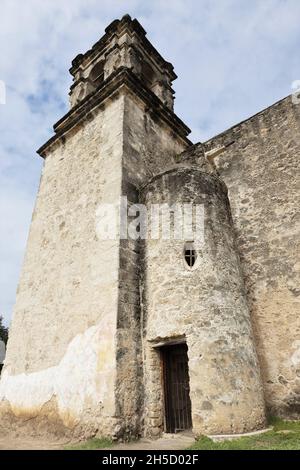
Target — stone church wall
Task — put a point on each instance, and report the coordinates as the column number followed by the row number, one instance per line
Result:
column 62, row 344
column 82, row 353
column 261, row 171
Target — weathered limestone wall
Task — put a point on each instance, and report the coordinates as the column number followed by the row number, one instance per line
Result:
column 80, row 358
column 207, row 306
column 261, row 171
column 129, row 362
column 81, row 351
column 62, row 344
column 78, row 298
column 149, row 144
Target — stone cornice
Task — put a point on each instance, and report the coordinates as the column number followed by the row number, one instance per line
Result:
column 118, row 27
column 123, row 77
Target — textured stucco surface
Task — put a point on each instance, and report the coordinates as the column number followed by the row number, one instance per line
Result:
column 62, row 342
column 148, row 145
column 261, row 171
column 79, row 295
column 207, row 306
column 83, row 352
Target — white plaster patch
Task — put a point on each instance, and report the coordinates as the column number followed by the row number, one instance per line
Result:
column 82, row 379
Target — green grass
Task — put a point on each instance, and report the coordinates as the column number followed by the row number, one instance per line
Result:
column 91, row 444
column 285, row 435
column 280, row 425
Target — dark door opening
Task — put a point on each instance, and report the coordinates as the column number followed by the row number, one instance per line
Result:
column 176, row 388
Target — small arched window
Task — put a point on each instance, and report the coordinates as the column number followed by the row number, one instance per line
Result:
column 190, row 254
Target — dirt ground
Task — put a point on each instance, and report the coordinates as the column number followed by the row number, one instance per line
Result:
column 20, row 443
column 169, row 442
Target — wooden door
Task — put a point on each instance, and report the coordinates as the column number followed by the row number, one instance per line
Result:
column 176, row 388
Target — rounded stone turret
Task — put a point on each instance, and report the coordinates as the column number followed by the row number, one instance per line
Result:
column 193, row 292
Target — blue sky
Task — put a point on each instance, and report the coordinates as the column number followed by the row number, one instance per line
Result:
column 232, row 57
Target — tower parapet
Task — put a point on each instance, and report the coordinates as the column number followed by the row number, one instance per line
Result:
column 124, row 45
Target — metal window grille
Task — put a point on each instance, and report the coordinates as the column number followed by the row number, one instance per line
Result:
column 190, row 257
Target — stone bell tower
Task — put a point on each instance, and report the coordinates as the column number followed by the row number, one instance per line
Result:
column 123, row 46
column 74, row 352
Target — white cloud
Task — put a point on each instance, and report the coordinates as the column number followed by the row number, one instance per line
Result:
column 233, row 57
